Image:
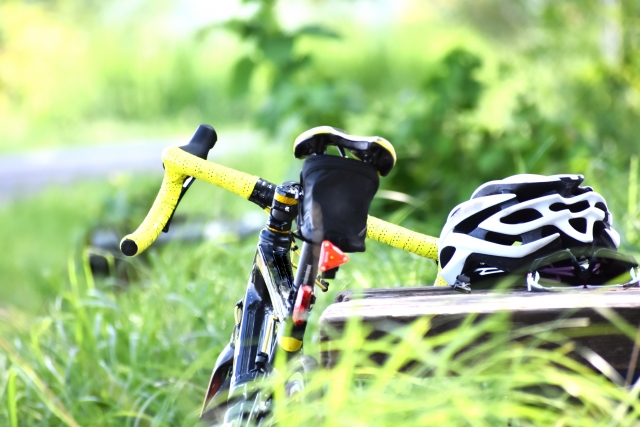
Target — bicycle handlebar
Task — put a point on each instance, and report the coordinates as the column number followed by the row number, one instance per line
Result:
column 402, row 238
column 180, row 163
column 189, row 161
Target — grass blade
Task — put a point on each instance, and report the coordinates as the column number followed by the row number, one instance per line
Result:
column 12, row 403
column 48, row 398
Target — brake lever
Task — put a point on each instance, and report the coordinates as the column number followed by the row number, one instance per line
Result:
column 185, row 186
column 202, row 141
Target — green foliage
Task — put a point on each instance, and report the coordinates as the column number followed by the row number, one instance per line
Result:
column 295, row 90
column 438, row 143
column 272, row 47
column 529, row 91
column 69, row 76
column 575, row 107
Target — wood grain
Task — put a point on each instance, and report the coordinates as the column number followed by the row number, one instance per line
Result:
column 387, row 308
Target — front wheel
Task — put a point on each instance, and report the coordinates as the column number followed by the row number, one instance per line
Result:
column 301, row 369
column 214, row 413
column 222, row 411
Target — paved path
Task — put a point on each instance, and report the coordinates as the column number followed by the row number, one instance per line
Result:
column 27, row 173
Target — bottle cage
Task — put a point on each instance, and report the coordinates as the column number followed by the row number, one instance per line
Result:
column 371, row 149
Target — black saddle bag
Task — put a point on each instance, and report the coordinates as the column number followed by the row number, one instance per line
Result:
column 337, row 193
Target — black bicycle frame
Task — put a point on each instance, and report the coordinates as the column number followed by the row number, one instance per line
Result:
column 264, row 318
column 272, row 317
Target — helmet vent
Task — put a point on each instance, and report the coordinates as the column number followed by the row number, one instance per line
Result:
column 530, row 191
column 579, row 224
column 576, row 207
column 548, row 230
column 446, row 254
column 604, row 209
column 503, row 239
column 602, row 237
column 522, row 216
column 598, row 229
column 467, row 225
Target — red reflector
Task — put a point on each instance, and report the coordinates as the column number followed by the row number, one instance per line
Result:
column 303, row 302
column 331, row 256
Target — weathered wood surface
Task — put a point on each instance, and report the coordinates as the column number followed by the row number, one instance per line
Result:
column 382, row 309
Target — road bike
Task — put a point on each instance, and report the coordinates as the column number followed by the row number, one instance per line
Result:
column 330, row 205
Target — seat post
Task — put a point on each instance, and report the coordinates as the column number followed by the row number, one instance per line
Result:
column 307, row 265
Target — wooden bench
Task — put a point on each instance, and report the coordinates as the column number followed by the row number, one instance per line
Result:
column 599, row 315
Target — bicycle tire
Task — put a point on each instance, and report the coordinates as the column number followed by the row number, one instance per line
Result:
column 213, row 415
column 302, row 368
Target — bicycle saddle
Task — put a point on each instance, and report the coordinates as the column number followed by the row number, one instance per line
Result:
column 370, row 149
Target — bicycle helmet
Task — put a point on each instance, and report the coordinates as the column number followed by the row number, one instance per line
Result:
column 511, row 223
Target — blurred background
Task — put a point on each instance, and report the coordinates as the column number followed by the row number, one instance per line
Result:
column 91, row 91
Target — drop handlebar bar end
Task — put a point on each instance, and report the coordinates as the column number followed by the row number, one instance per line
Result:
column 128, row 247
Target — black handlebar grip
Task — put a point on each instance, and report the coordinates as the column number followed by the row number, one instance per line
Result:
column 201, row 142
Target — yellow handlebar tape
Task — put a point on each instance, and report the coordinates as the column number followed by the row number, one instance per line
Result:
column 237, row 182
column 402, row 238
column 178, row 166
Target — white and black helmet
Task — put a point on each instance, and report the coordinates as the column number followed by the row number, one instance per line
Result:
column 510, row 223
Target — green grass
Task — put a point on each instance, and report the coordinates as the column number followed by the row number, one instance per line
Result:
column 497, row 382
column 148, row 348
column 40, row 234
column 102, row 355
column 72, row 346
column 105, row 353
column 43, row 231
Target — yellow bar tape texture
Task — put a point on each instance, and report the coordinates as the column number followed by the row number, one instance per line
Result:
column 402, row 238
column 178, row 165
column 237, row 182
